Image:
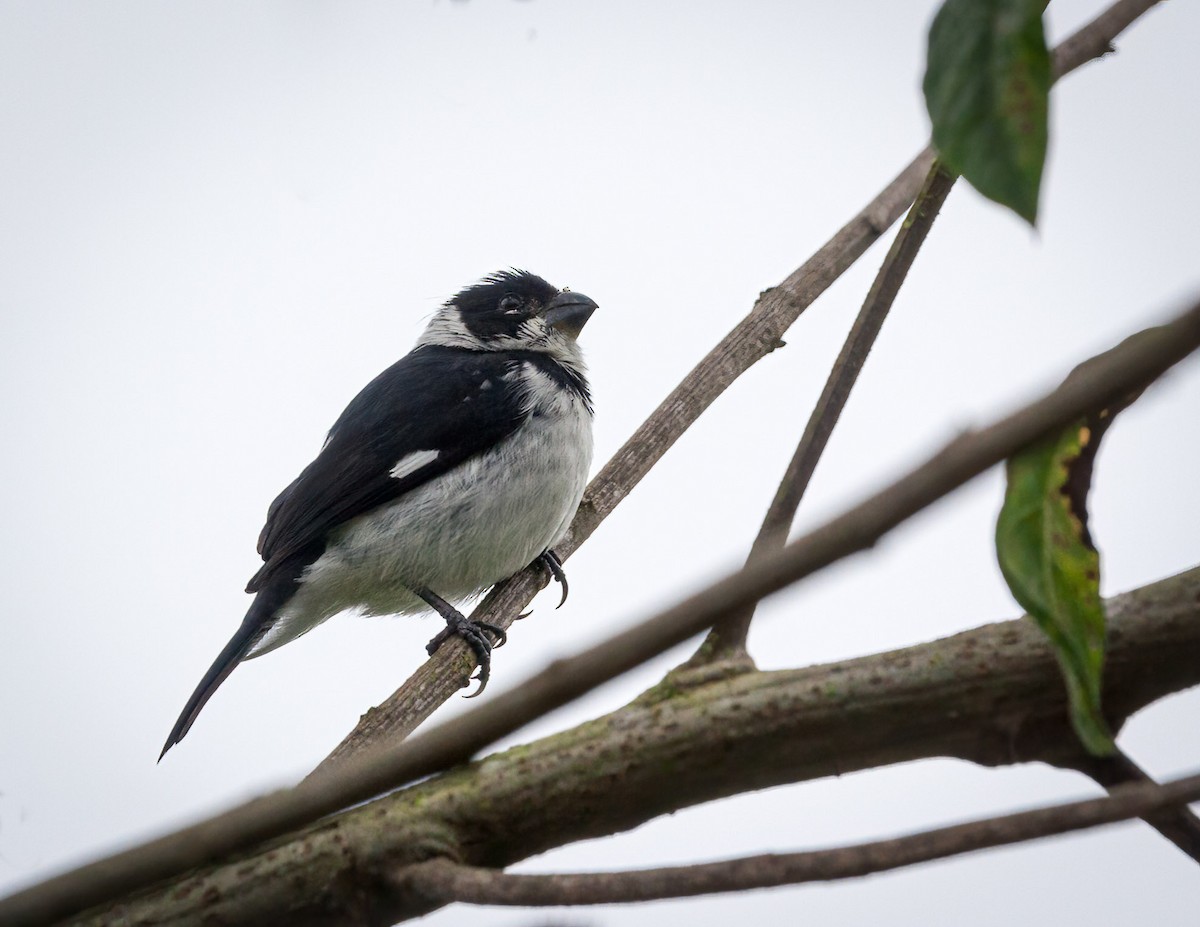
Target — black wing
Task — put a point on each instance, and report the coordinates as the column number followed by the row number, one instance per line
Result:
column 448, row 400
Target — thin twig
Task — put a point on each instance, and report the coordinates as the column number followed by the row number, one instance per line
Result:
column 727, row 639
column 1130, row 365
column 1094, row 40
column 1179, row 825
column 753, row 338
column 443, row 881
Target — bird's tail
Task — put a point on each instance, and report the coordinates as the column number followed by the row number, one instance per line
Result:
column 257, row 622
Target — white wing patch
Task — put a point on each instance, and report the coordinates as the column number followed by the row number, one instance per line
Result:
column 411, row 463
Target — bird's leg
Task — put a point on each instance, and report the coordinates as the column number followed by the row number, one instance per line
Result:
column 470, row 631
column 550, row 560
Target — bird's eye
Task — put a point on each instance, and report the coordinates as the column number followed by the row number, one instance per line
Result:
column 512, row 303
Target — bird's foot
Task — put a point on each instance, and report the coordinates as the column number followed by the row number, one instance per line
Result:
column 549, row 559
column 475, row 633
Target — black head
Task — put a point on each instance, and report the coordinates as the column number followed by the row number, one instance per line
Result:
column 500, row 303
column 512, row 310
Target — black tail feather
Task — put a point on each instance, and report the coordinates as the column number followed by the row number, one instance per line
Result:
column 257, row 622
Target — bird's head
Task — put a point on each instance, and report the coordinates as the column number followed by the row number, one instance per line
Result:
column 512, row 310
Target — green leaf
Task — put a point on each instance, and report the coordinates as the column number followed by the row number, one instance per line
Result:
column 1050, row 563
column 1054, row 572
column 987, row 88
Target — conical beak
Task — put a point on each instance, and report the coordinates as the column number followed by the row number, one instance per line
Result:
column 568, row 312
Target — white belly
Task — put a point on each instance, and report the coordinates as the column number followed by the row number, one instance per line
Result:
column 457, row 535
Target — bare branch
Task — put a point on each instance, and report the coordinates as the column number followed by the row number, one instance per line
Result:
column 444, row 881
column 727, row 639
column 993, row 696
column 750, row 340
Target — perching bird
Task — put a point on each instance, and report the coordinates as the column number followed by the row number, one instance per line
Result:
column 453, row 469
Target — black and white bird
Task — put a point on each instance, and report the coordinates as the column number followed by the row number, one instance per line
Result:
column 455, row 468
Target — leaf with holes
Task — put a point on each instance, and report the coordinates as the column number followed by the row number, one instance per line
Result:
column 987, row 89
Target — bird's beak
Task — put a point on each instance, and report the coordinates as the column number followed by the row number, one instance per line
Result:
column 568, row 312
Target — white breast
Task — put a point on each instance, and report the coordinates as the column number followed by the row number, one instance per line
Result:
column 461, row 532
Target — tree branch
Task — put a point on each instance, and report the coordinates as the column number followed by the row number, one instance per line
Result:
column 727, row 639
column 1115, row 373
column 443, row 881
column 993, row 696
column 749, row 341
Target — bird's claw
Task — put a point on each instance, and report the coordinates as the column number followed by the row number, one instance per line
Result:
column 473, row 632
column 550, row 560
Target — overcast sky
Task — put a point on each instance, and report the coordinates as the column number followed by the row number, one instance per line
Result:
column 218, row 220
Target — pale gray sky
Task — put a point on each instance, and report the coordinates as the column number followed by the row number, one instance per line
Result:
column 220, row 219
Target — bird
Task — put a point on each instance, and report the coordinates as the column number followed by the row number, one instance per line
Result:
column 455, row 468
